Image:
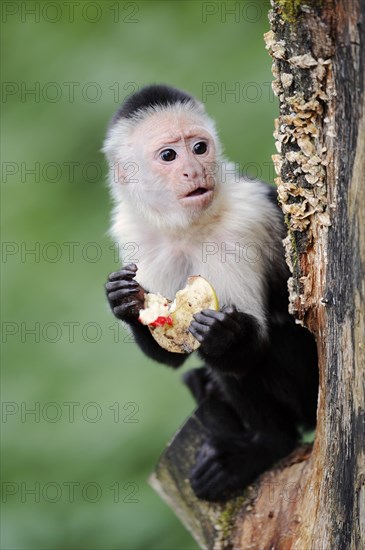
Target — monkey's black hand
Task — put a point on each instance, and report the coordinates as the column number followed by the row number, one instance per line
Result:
column 216, row 330
column 125, row 295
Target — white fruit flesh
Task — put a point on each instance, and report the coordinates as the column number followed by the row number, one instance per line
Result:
column 155, row 306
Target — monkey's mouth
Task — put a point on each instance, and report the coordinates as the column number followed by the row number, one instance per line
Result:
column 199, row 199
column 197, row 192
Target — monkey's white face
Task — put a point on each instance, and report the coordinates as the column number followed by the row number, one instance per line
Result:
column 177, row 157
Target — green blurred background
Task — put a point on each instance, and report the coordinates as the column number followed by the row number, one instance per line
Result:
column 74, row 472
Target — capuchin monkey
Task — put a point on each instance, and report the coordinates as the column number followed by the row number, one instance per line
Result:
column 188, row 212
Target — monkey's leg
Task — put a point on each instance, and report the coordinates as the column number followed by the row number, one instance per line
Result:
column 200, row 383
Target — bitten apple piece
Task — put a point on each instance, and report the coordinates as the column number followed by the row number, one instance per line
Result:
column 169, row 321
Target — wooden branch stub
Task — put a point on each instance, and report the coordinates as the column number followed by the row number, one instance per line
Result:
column 267, row 515
column 170, row 480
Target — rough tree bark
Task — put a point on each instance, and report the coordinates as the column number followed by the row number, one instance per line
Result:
column 312, row 500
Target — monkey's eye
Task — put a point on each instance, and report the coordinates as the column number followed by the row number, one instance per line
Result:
column 168, row 155
column 200, row 148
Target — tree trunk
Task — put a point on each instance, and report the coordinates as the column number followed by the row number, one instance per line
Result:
column 312, row 500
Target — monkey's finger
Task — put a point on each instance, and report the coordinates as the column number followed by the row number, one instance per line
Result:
column 124, row 283
column 207, row 456
column 207, row 474
column 119, row 275
column 214, row 341
column 120, row 294
column 126, row 272
column 203, row 470
column 213, row 486
column 232, row 311
column 227, row 311
column 203, row 319
column 205, row 336
column 199, row 327
column 131, row 266
column 212, row 314
column 211, row 318
column 194, row 331
column 123, row 308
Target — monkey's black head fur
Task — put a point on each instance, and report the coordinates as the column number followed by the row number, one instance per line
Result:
column 150, row 96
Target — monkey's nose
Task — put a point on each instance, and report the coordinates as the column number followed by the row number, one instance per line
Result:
column 191, row 174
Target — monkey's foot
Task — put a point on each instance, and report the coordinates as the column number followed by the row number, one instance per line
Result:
column 219, row 474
